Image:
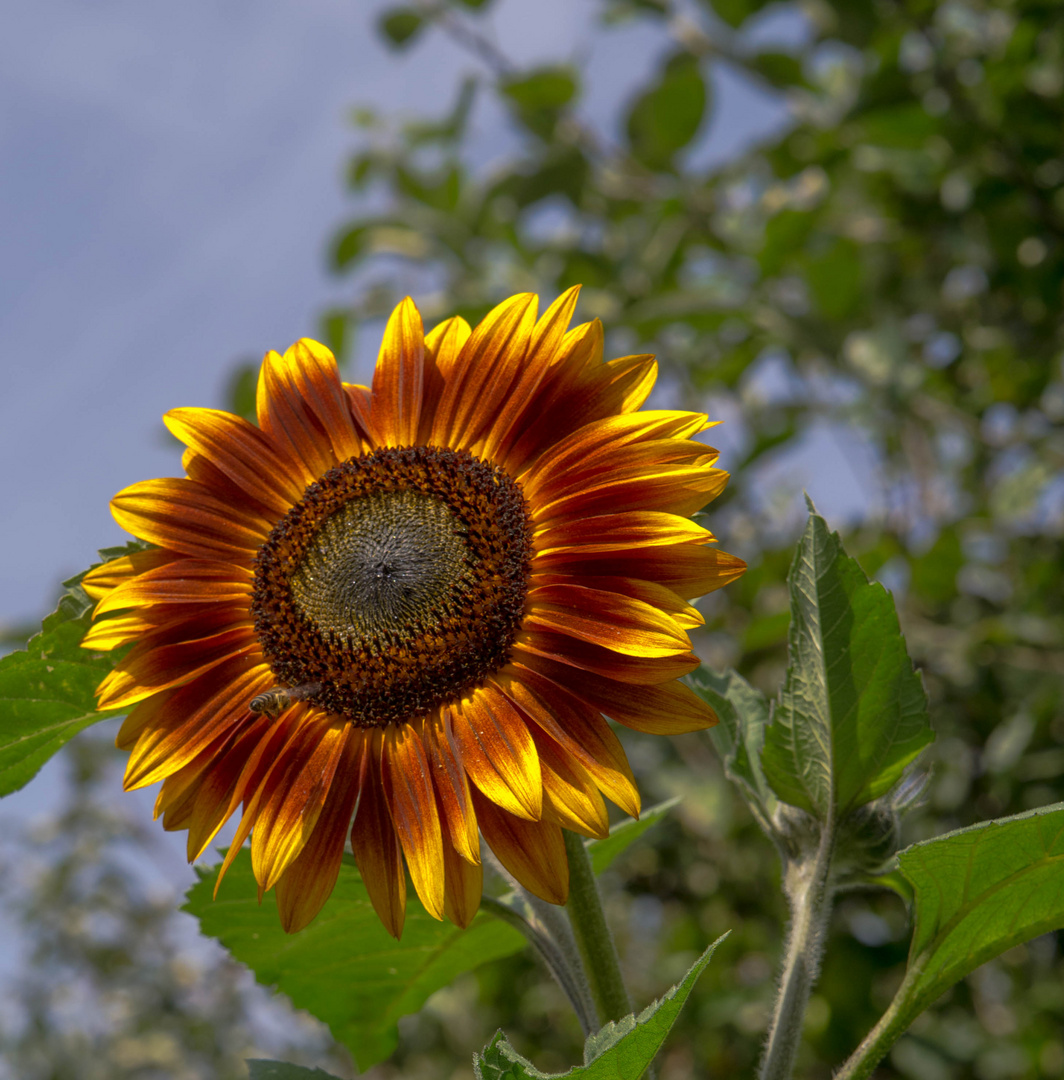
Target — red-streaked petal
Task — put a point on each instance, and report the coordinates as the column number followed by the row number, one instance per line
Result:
column 533, row 851
column 570, row 796
column 312, row 371
column 309, row 881
column 464, row 887
column 412, row 801
column 155, row 668
column 668, row 709
column 376, row 846
column 398, row 382
column 241, row 452
column 185, row 517
column 497, row 752
column 547, row 336
column 185, row 722
column 101, row 580
column 291, row 809
column 181, row 581
column 649, row 592
column 452, row 789
column 688, row 569
column 478, row 382
column 360, row 401
column 620, row 623
column 585, row 656
column 616, row 532
column 576, row 727
column 443, row 346
column 287, row 420
column 594, row 449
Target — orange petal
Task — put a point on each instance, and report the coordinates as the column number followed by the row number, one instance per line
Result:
column 589, row 657
column 620, row 623
column 241, row 452
column 576, row 727
column 287, row 421
column 533, row 851
column 411, row 799
column 497, row 752
column 312, row 371
column 291, row 809
column 571, row 798
column 310, row 880
column 150, row 668
column 99, row 581
column 185, row 517
column 547, row 336
column 443, row 345
column 376, row 846
column 649, row 592
column 180, row 581
column 688, row 569
column 398, row 381
column 452, row 790
column 593, row 448
column 107, row 634
column 616, row 532
column 176, row 727
column 464, row 887
column 668, row 709
column 360, row 401
column 479, row 381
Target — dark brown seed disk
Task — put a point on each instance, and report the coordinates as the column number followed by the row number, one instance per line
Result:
column 397, row 583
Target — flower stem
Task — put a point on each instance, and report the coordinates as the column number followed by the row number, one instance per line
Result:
column 592, row 933
column 808, row 886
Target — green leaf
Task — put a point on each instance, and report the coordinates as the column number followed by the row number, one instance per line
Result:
column 852, row 712
column 349, row 245
column 980, row 891
column 539, row 97
column 736, row 12
column 345, row 968
column 620, row 1051
column 259, row 1069
column 545, row 88
column 624, row 834
column 667, row 117
column 836, row 279
column 401, row 26
column 740, row 735
column 48, row 691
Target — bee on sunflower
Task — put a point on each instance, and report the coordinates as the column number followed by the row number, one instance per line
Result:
column 401, row 613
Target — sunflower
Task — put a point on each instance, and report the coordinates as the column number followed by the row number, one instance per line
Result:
column 400, row 613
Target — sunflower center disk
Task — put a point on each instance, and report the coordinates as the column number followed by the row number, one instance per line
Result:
column 396, row 583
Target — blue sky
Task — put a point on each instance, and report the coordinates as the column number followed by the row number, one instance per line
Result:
column 170, row 176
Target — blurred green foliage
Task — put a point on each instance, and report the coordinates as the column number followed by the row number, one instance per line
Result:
column 888, row 269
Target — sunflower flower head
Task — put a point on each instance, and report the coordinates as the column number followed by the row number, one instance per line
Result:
column 400, row 614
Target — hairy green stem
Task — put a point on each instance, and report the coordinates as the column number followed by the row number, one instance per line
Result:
column 592, row 933
column 808, row 886
column 892, row 1025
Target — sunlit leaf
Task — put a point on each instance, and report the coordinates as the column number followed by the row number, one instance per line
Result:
column 48, row 691
column 345, row 968
column 624, row 834
column 620, row 1051
column 852, row 712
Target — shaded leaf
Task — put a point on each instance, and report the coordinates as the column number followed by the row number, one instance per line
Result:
column 259, row 1069
column 665, row 118
column 345, row 968
column 48, row 691
column 743, row 712
column 852, row 712
column 624, row 834
column 401, row 26
column 980, row 891
column 622, row 1050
